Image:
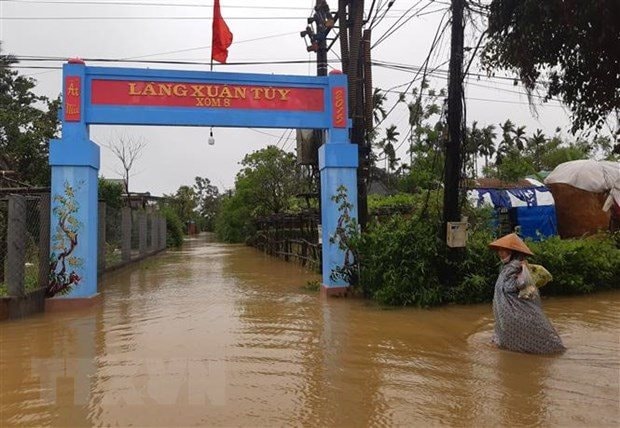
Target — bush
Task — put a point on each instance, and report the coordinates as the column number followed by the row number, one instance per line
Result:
column 402, row 262
column 579, row 266
column 234, row 221
column 174, row 228
column 398, row 263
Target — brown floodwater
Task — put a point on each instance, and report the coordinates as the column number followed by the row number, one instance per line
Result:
column 222, row 335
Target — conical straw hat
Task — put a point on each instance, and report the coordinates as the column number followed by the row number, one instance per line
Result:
column 511, row 242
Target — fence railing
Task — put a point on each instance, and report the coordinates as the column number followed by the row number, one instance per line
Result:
column 125, row 235
column 292, row 237
column 24, row 243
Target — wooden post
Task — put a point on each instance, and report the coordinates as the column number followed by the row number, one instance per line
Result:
column 142, row 232
column 101, row 240
column 16, row 246
column 44, row 239
column 126, row 234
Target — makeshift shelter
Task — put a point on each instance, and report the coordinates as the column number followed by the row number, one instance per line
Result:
column 526, row 206
column 585, row 193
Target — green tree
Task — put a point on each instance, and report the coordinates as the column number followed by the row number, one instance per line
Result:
column 111, row 193
column 27, row 123
column 571, row 44
column 208, row 201
column 536, row 146
column 426, row 130
column 267, row 184
column 507, row 142
column 486, row 148
column 184, row 203
column 268, row 181
column 386, row 144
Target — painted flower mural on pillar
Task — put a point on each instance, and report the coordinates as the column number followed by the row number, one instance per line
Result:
column 63, row 265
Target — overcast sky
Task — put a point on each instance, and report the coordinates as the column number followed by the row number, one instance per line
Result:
column 181, row 30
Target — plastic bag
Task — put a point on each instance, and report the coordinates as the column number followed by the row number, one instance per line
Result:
column 525, row 283
column 540, row 275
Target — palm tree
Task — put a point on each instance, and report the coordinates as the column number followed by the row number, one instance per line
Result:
column 507, row 143
column 519, row 137
column 487, row 145
column 378, row 110
column 535, row 146
column 387, row 146
column 472, row 148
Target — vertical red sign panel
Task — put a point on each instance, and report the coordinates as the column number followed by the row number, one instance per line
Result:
column 339, row 108
column 73, row 97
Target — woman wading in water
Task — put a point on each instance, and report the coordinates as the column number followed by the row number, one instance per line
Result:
column 520, row 324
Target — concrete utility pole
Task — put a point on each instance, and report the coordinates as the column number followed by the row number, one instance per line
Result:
column 451, row 207
column 354, row 56
column 320, row 16
column 317, row 36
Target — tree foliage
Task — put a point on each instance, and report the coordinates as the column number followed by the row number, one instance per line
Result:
column 111, row 193
column 207, row 201
column 27, row 123
column 572, row 44
column 269, row 178
column 267, row 184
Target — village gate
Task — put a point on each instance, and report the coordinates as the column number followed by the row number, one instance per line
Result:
column 125, row 96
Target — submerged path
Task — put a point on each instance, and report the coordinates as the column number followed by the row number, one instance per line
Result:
column 222, row 335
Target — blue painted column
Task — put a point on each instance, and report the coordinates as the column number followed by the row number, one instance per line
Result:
column 75, row 164
column 338, row 162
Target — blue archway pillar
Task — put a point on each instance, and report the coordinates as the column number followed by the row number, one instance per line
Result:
column 74, row 161
column 338, row 162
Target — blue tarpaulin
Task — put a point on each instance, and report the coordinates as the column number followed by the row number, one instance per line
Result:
column 537, row 222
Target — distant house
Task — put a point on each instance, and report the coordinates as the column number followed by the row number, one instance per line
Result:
column 526, row 206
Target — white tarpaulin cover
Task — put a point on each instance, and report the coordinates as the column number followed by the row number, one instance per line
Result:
column 590, row 175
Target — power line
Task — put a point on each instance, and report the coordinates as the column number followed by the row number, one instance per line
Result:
column 128, row 3
column 169, row 62
column 438, row 36
column 153, row 4
column 149, row 18
column 209, row 46
column 146, row 18
column 396, row 26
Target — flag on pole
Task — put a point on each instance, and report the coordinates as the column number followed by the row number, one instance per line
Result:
column 222, row 37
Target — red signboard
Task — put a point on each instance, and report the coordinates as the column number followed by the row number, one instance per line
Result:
column 339, row 108
column 186, row 94
column 72, row 98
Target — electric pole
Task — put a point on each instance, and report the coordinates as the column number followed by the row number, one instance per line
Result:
column 355, row 56
column 323, row 21
column 451, row 206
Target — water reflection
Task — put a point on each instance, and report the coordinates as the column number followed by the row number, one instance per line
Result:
column 48, row 367
column 223, row 335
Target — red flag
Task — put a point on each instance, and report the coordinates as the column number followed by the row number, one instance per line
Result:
column 222, row 37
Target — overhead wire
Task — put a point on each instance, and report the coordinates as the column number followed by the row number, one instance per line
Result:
column 438, row 35
column 396, row 26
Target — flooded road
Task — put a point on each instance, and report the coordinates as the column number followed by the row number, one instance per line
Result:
column 222, row 335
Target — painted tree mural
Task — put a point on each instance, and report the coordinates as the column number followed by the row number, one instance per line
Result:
column 63, row 265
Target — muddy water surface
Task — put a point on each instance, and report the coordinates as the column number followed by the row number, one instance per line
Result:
column 222, row 335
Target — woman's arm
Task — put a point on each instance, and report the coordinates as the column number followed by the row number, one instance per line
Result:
column 511, row 280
